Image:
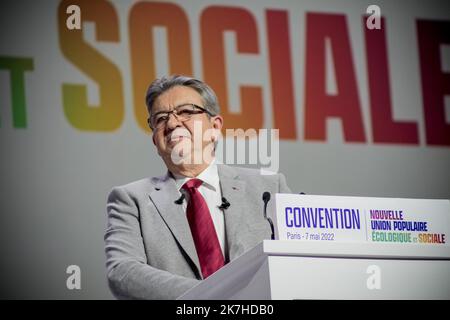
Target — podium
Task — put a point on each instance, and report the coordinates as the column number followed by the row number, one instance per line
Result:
column 286, row 270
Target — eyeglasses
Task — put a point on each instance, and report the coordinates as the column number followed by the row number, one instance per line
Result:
column 182, row 113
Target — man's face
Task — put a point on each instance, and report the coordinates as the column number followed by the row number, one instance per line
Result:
column 191, row 136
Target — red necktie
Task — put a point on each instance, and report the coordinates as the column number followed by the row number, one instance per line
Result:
column 202, row 229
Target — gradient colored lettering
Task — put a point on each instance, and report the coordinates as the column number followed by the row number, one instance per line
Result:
column 281, row 79
column 17, row 68
column 435, row 83
column 384, row 128
column 144, row 16
column 318, row 105
column 109, row 114
column 215, row 20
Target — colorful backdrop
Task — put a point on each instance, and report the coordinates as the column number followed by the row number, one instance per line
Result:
column 360, row 111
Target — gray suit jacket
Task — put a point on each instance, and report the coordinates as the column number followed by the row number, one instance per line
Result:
column 150, row 253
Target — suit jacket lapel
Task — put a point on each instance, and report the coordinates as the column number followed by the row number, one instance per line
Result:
column 163, row 196
column 233, row 190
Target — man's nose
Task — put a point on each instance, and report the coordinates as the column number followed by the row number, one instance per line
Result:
column 173, row 122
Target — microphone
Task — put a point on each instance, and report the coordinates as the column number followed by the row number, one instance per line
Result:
column 266, row 198
column 180, row 200
column 225, row 204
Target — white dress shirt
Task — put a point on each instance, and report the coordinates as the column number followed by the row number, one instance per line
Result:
column 212, row 193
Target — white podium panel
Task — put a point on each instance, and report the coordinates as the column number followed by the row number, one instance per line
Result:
column 343, row 278
column 308, row 270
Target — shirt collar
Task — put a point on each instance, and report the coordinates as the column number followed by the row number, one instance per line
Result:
column 209, row 176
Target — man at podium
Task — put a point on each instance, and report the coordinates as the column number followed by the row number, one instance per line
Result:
column 165, row 234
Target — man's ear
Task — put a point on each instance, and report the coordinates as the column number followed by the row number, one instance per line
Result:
column 218, row 122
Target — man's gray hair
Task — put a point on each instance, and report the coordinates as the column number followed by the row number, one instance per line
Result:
column 160, row 85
